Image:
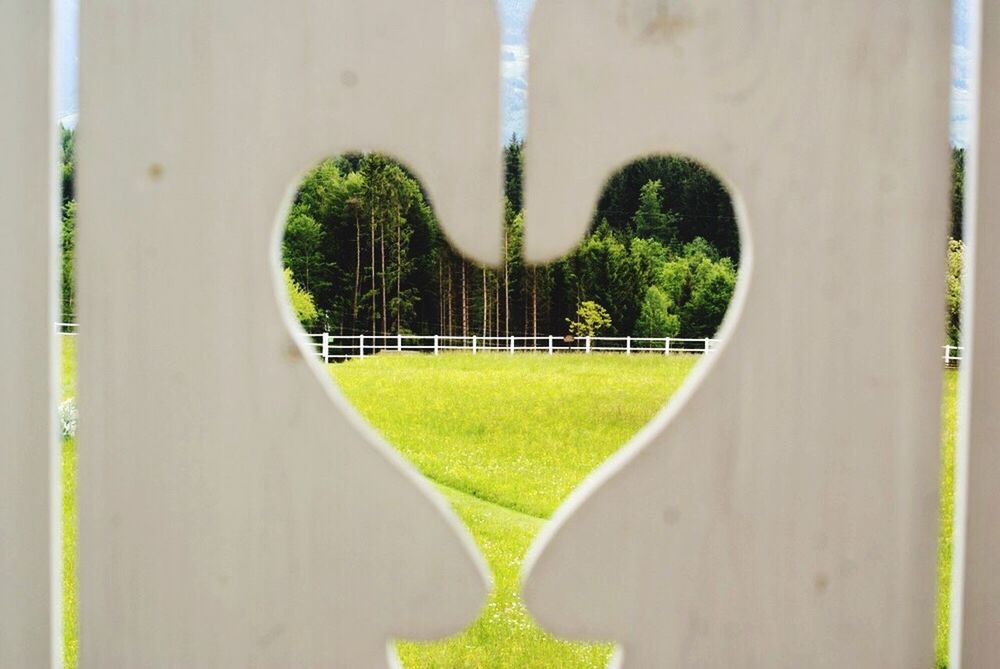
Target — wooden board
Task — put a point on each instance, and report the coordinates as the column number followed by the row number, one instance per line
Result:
column 782, row 512
column 976, row 584
column 235, row 510
column 29, row 456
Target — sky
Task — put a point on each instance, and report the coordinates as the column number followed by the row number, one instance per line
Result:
column 514, row 16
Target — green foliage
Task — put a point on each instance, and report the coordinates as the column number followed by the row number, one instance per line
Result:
column 67, row 164
column 363, row 239
column 302, row 301
column 591, row 320
column 648, row 257
column 514, row 172
column 691, row 192
column 699, row 247
column 302, row 249
column 68, row 261
column 655, row 317
column 600, row 271
column 699, row 288
column 957, row 191
column 956, row 252
column 650, row 221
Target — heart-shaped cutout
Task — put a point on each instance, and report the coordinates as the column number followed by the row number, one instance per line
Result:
column 506, row 387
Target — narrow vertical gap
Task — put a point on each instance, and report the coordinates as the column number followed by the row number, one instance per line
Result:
column 961, row 109
column 515, row 16
column 67, row 39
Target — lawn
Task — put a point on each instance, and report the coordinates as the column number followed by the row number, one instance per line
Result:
column 506, row 438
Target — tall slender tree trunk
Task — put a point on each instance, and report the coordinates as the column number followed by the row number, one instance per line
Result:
column 357, row 270
column 486, row 306
column 385, row 306
column 506, row 287
column 496, row 305
column 465, row 303
column 374, row 290
column 399, row 273
column 534, row 301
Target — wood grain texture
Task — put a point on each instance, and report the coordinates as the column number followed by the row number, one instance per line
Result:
column 976, row 584
column 235, row 510
column 782, row 511
column 29, row 457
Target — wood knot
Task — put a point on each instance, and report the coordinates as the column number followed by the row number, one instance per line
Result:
column 654, row 20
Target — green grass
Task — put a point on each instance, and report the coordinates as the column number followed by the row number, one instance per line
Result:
column 518, row 431
column 71, row 634
column 949, row 427
column 507, row 439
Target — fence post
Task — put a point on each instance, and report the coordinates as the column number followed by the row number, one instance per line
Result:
column 399, row 343
column 361, row 345
column 326, row 348
column 706, row 344
column 473, row 344
column 550, row 345
column 436, row 351
column 666, row 349
column 628, row 345
column 512, row 345
column 587, row 340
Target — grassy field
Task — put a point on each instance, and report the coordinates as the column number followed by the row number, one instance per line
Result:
column 947, row 515
column 506, row 439
column 71, row 635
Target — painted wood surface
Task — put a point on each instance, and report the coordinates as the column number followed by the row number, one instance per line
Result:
column 235, row 511
column 976, row 583
column 29, row 493
column 782, row 512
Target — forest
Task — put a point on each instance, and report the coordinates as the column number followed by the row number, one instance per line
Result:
column 364, row 253
column 661, row 259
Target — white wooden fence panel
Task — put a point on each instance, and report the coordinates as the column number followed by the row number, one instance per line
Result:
column 976, row 583
column 235, row 511
column 781, row 512
column 29, row 494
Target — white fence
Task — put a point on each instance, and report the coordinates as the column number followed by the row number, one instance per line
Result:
column 952, row 355
column 331, row 348
column 342, row 347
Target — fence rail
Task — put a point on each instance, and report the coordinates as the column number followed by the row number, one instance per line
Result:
column 332, row 348
column 953, row 355
column 343, row 347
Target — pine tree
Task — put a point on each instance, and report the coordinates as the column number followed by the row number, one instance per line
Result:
column 650, row 221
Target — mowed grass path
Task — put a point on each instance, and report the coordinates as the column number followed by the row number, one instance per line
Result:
column 520, row 431
column 507, row 438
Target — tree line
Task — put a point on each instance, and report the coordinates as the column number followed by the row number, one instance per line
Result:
column 364, row 253
column 661, row 258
